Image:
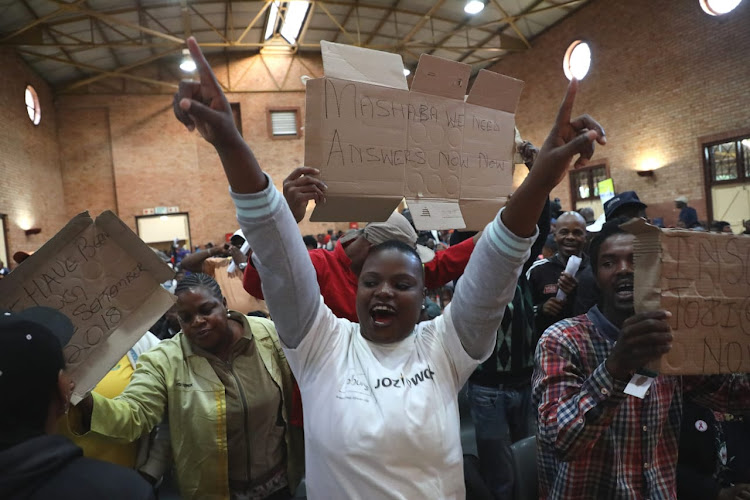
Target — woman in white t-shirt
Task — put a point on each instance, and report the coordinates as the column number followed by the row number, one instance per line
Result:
column 380, row 396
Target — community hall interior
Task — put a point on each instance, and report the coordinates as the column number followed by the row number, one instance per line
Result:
column 86, row 92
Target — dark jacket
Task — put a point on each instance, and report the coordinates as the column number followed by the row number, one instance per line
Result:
column 713, row 454
column 50, row 466
column 543, row 276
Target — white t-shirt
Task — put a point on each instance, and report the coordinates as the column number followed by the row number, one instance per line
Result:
column 381, row 421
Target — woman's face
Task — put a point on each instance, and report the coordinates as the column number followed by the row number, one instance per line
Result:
column 203, row 319
column 389, row 295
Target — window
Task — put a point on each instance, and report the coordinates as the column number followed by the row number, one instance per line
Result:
column 286, row 19
column 584, row 182
column 728, row 160
column 32, row 105
column 577, row 60
column 719, row 7
column 283, row 123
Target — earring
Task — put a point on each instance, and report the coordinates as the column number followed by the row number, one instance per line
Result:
column 229, row 315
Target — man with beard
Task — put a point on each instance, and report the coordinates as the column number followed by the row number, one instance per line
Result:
column 594, row 441
column 547, row 275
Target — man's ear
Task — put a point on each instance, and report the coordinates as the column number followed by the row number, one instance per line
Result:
column 224, row 301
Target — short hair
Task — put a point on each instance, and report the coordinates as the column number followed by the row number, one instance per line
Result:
column 610, row 228
column 399, row 246
column 310, row 240
column 195, row 280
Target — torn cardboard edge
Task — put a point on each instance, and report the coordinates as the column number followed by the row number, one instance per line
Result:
column 151, row 304
column 702, row 279
column 647, row 276
column 477, row 192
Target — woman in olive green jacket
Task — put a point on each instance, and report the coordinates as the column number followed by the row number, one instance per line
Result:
column 227, row 390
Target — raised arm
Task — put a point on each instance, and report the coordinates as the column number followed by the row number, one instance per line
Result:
column 492, row 272
column 279, row 254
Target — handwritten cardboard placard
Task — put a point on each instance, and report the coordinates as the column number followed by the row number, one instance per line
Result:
column 703, row 279
column 376, row 141
column 105, row 279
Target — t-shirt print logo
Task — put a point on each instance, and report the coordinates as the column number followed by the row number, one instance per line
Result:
column 402, row 381
column 550, row 289
column 355, row 386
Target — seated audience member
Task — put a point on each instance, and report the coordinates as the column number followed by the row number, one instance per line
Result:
column 547, row 276
column 310, row 242
column 593, row 440
column 225, row 388
column 588, row 215
column 337, row 271
column 688, row 216
column 721, row 226
column 381, row 409
column 226, row 265
column 168, row 325
column 35, row 390
column 150, row 455
column 714, row 458
column 746, row 225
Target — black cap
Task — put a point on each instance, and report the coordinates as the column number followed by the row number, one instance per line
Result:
column 623, row 199
column 31, row 357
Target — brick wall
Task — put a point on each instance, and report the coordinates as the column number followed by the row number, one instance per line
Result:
column 138, row 156
column 663, row 74
column 31, row 190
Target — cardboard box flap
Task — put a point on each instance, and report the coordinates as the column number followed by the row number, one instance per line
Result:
column 478, row 213
column 355, row 208
column 441, row 77
column 496, row 91
column 358, row 64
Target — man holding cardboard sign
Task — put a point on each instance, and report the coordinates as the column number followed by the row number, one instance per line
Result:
column 593, row 440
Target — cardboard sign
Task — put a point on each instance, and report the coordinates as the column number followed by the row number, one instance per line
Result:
column 703, row 279
column 376, row 142
column 105, row 279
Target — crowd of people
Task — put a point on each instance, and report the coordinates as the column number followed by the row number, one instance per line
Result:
column 339, row 358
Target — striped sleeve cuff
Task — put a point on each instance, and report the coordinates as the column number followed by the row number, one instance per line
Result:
column 514, row 247
column 260, row 205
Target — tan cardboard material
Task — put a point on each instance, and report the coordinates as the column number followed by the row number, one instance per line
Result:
column 376, row 142
column 105, row 279
column 703, row 279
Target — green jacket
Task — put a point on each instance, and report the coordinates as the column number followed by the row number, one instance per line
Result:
column 172, row 377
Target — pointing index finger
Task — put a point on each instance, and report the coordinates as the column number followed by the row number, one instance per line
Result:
column 566, row 108
column 204, row 69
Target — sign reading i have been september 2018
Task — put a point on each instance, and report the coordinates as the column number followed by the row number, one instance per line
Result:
column 105, row 279
column 703, row 279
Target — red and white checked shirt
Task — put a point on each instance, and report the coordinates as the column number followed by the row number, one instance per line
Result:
column 595, row 442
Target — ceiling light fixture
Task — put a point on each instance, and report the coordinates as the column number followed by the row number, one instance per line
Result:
column 474, row 7
column 187, row 64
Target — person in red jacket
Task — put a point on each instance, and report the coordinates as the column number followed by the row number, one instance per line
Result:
column 337, row 271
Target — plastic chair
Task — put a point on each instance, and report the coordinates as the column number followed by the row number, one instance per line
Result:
column 525, row 478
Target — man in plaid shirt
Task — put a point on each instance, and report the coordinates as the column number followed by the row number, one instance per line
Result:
column 594, row 442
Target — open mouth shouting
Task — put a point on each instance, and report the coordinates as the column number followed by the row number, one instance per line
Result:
column 624, row 290
column 382, row 315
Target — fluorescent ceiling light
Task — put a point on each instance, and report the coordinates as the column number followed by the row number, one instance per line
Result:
column 293, row 19
column 474, row 7
column 407, row 72
column 273, row 14
column 187, row 64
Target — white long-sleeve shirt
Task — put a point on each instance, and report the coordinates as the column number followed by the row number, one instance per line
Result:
column 381, row 421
